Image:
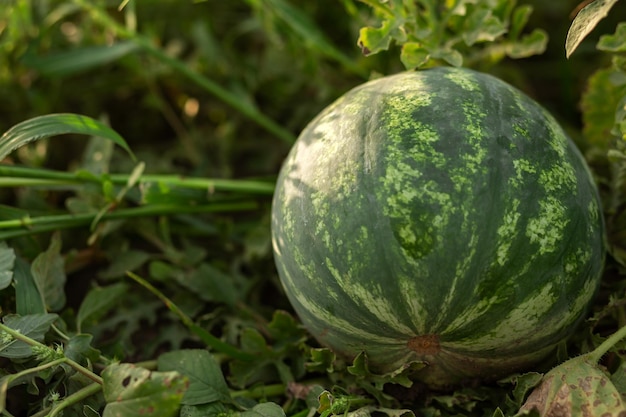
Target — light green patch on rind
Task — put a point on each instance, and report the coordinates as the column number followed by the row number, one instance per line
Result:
column 523, row 168
column 371, row 297
column 547, row 229
column 558, row 177
column 466, row 81
column 507, row 231
column 525, row 318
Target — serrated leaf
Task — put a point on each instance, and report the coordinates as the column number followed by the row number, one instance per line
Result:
column 7, row 260
column 214, row 409
column 79, row 349
column 27, row 298
column 531, row 44
column 451, row 56
column 98, row 301
column 482, row 26
column 130, row 390
column 374, row 40
column 49, row 274
column 206, row 381
column 268, row 409
column 41, row 127
column 584, row 22
column 413, row 55
column 598, row 104
column 322, row 360
column 129, row 260
column 284, row 329
column 80, row 59
column 519, row 19
column 34, row 326
column 615, row 42
column 368, row 411
column 401, row 376
column 210, row 284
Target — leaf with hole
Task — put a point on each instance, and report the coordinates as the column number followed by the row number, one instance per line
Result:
column 130, row 390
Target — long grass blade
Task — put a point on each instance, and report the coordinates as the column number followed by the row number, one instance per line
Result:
column 56, row 124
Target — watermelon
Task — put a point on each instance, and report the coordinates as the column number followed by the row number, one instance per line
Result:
column 439, row 220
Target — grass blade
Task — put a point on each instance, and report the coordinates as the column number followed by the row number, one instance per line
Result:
column 81, row 59
column 56, row 124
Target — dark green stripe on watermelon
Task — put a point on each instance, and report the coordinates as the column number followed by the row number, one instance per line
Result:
column 442, row 202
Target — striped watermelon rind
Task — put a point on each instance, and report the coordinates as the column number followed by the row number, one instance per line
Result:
column 439, row 216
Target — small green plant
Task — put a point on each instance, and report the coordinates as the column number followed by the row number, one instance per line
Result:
column 456, row 32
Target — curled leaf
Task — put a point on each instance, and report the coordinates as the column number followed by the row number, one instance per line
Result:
column 584, row 22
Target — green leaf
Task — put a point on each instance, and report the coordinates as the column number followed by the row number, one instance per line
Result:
column 584, row 22
column 98, row 301
column 79, row 349
column 451, row 56
column 264, row 410
column 7, row 260
column 211, row 284
column 79, row 59
column 49, row 273
column 531, row 44
column 322, row 360
column 374, row 40
column 129, row 260
column 482, row 26
column 215, row 409
column 27, row 298
column 401, row 376
column 519, row 20
column 618, row 378
column 524, row 383
column 413, row 55
column 34, row 326
column 206, row 381
column 284, row 329
column 599, row 103
column 615, row 42
column 56, row 124
column 131, row 391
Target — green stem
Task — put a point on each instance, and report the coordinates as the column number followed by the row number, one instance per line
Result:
column 32, row 342
column 15, row 176
column 75, row 398
column 19, row 336
column 206, row 337
column 31, row 225
column 261, row 391
column 212, row 87
column 605, row 346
